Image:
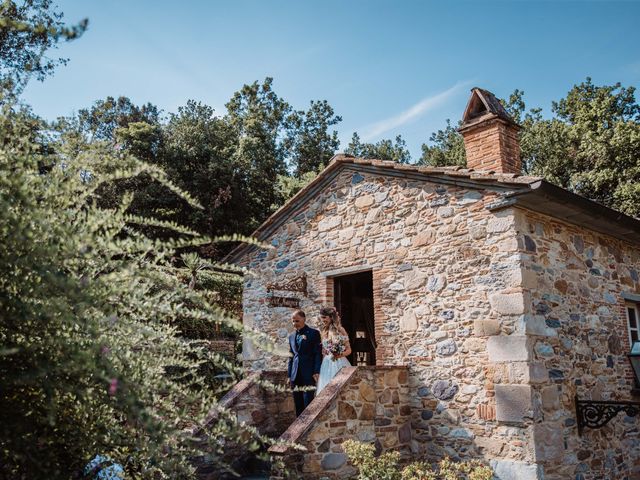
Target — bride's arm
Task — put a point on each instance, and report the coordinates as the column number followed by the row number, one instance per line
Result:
column 347, row 346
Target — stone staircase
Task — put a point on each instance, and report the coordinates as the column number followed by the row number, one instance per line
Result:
column 370, row 404
column 270, row 412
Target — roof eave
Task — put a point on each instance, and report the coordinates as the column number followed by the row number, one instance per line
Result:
column 546, row 198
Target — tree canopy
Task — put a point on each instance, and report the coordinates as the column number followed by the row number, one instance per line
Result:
column 103, row 327
column 385, row 149
column 27, row 30
column 240, row 166
column 309, row 143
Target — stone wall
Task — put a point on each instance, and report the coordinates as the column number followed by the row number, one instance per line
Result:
column 502, row 316
column 577, row 328
column 370, row 404
column 270, row 411
column 447, row 276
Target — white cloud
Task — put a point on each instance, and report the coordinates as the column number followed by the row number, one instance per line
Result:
column 372, row 131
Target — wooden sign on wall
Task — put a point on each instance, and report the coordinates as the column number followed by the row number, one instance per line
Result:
column 288, row 302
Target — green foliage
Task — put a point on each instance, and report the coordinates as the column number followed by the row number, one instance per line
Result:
column 101, row 121
column 238, row 166
column 219, row 287
column 256, row 116
column 383, row 150
column 602, row 143
column 140, row 139
column 591, row 144
column 370, row 467
column 288, row 186
column 447, row 149
column 197, row 156
column 309, row 144
column 27, row 29
column 385, row 466
column 92, row 355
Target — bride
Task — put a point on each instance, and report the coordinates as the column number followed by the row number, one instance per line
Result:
column 332, row 335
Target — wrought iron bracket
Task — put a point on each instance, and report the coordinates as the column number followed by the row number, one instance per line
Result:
column 596, row 414
column 298, row 284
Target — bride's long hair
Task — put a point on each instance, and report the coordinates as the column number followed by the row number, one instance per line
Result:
column 333, row 329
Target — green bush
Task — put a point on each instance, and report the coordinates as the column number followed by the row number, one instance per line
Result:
column 92, row 355
column 385, row 466
column 370, row 467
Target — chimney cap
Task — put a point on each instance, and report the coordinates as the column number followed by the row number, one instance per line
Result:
column 483, row 105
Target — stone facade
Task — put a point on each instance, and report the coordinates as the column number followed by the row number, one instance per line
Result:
column 502, row 316
column 364, row 403
column 446, row 274
column 576, row 322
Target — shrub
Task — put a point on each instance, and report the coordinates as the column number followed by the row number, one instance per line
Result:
column 92, row 358
column 370, row 467
column 385, row 466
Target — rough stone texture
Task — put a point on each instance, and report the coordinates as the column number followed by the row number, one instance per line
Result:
column 409, row 321
column 485, row 328
column 512, row 348
column 270, row 412
column 550, row 398
column 548, row 442
column 580, row 341
column 333, row 461
column 536, row 325
column 513, row 403
column 513, row 470
column 444, row 390
column 446, row 347
column 542, row 311
column 341, row 412
column 507, row 303
column 434, row 272
column 275, row 409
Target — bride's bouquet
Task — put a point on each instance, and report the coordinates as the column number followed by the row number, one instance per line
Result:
column 334, row 346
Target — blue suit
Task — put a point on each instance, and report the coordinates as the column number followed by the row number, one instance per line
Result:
column 306, row 348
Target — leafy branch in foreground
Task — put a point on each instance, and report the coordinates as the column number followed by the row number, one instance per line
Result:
column 93, row 355
column 27, row 30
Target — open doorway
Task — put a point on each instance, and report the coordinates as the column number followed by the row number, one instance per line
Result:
column 353, row 295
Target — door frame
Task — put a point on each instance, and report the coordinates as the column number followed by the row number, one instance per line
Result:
column 384, row 350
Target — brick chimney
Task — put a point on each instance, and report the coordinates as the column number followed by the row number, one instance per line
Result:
column 490, row 135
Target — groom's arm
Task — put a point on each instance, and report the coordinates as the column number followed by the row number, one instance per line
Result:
column 317, row 354
column 290, row 362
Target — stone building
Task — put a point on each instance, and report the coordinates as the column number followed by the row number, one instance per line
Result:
column 480, row 304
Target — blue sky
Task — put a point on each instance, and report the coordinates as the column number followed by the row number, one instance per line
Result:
column 387, row 67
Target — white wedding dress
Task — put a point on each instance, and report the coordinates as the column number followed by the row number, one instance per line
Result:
column 328, row 369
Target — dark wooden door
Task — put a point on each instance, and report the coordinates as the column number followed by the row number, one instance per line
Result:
column 353, row 296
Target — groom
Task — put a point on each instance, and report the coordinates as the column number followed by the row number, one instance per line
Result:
column 304, row 365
